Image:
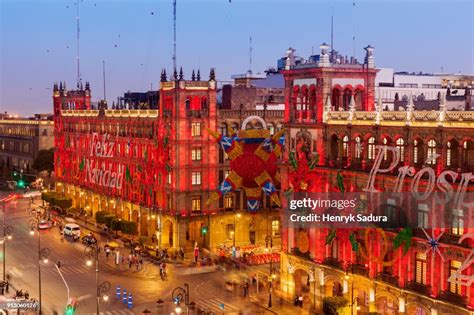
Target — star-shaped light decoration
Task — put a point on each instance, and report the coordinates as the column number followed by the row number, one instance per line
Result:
column 434, row 244
column 253, row 162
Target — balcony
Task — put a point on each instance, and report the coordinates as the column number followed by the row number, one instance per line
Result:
column 418, row 287
column 388, row 278
column 197, row 113
column 332, row 263
column 453, row 298
column 295, row 251
column 359, row 270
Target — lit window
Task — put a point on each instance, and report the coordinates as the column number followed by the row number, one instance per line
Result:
column 371, row 149
column 358, row 148
column 458, row 225
column 401, row 148
column 196, row 203
column 454, row 287
column 420, row 271
column 228, row 202
column 226, row 173
column 169, row 178
column 345, row 146
column 385, row 153
column 275, row 228
column 196, row 178
column 195, row 129
column 431, row 159
column 196, row 154
column 448, row 153
column 415, row 151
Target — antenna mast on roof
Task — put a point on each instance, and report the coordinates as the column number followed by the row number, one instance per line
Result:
column 250, row 55
column 354, row 27
column 332, row 28
column 78, row 50
column 103, row 75
column 174, row 37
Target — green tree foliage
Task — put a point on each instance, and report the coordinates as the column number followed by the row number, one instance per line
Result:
column 44, row 161
column 334, row 305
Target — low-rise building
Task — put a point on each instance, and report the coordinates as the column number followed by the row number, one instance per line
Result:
column 22, row 138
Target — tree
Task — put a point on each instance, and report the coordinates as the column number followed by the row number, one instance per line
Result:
column 44, row 161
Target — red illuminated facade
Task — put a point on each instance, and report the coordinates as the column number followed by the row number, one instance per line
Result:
column 342, row 126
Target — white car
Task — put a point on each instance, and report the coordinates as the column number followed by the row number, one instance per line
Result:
column 73, row 230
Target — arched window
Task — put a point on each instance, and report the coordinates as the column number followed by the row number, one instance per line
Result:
column 304, row 98
column 345, row 146
column 448, row 153
column 401, row 148
column 359, row 98
column 417, row 151
column 346, row 99
column 358, row 148
column 296, row 94
column 204, row 103
column 385, row 153
column 431, row 156
column 188, row 103
column 336, row 98
column 371, row 149
column 312, row 97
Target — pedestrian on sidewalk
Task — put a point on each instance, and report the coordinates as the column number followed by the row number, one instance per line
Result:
column 300, row 301
column 181, row 252
column 196, row 252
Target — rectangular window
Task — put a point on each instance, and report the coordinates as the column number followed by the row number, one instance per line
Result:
column 196, row 154
column 169, row 178
column 422, row 216
column 420, row 268
column 196, row 178
column 228, row 202
column 453, row 268
column 196, row 204
column 275, row 228
column 458, row 225
column 196, row 129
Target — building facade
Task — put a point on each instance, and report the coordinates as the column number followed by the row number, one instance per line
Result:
column 157, row 167
column 22, row 138
column 348, row 143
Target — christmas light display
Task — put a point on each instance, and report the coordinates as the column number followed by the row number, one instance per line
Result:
column 253, row 158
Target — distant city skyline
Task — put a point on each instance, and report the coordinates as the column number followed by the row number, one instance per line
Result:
column 135, row 38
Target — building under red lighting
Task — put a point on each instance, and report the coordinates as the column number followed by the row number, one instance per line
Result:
column 330, row 110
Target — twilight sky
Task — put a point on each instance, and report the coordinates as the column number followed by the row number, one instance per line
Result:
column 134, row 37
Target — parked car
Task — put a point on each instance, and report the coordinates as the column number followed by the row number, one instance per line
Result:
column 73, row 230
column 45, row 225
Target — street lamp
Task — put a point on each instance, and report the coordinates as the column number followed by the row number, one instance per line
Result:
column 43, row 254
column 7, row 234
column 180, row 294
column 237, row 215
column 92, row 253
column 269, row 241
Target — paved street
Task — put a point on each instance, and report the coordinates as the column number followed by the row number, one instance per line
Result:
column 207, row 285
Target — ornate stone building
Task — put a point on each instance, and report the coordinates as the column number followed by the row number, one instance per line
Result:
column 330, row 108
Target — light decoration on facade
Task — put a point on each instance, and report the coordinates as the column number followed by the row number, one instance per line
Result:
column 253, row 158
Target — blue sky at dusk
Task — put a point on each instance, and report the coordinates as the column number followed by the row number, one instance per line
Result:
column 38, row 40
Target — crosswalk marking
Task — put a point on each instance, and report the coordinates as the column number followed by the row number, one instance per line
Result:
column 215, row 306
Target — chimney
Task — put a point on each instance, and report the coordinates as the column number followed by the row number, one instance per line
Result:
column 324, row 57
column 369, row 58
column 290, row 59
